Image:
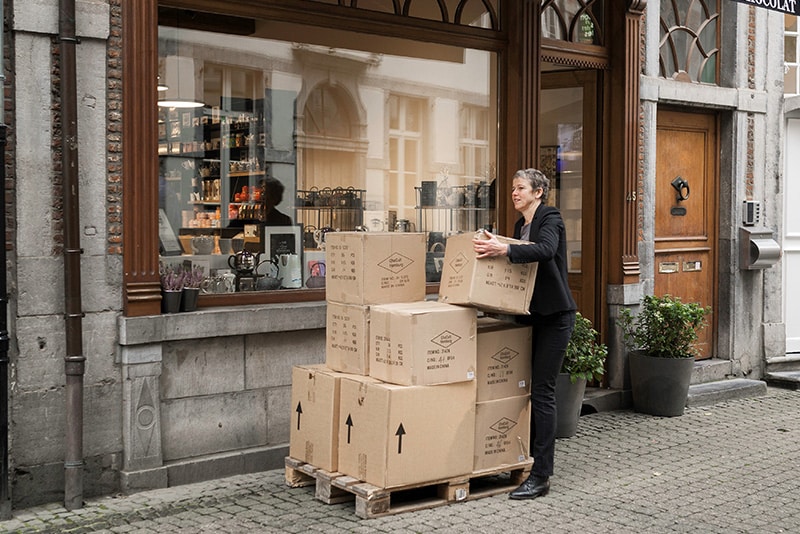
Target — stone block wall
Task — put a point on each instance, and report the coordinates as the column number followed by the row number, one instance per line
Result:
column 204, row 402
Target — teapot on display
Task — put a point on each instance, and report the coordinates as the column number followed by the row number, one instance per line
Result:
column 269, row 280
column 243, row 262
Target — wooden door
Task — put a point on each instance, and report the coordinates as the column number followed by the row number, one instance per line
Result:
column 686, row 212
column 568, row 156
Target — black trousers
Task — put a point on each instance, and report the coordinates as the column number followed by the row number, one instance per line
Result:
column 551, row 334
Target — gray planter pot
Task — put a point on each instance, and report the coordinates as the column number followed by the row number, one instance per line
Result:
column 659, row 386
column 569, row 400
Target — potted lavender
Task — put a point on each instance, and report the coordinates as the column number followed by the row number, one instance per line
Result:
column 171, row 288
column 191, row 288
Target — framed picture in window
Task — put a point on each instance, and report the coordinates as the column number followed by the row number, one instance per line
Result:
column 282, row 245
column 175, row 129
column 162, row 130
column 282, row 240
column 167, row 240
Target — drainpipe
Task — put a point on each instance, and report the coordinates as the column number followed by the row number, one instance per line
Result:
column 5, row 499
column 74, row 359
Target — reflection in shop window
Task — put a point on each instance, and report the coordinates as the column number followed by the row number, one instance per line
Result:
column 405, row 133
column 577, row 21
column 294, row 141
column 474, row 141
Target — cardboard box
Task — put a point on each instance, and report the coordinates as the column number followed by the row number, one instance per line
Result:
column 347, row 338
column 502, row 432
column 489, row 283
column 375, row 268
column 503, row 359
column 314, row 434
column 392, row 435
column 422, row 343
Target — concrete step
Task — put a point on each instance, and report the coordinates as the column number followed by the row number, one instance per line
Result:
column 788, row 362
column 722, row 390
column 783, row 379
column 603, row 400
column 710, row 370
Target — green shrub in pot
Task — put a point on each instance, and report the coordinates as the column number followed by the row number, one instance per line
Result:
column 660, row 339
column 665, row 327
column 585, row 357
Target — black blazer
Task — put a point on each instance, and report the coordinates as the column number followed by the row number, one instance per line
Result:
column 548, row 246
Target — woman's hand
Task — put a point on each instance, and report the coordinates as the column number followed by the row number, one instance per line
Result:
column 488, row 248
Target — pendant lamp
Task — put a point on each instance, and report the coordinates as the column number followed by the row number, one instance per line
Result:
column 181, row 83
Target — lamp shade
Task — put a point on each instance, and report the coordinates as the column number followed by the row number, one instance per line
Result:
column 182, row 81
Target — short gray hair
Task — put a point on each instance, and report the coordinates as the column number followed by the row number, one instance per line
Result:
column 536, row 179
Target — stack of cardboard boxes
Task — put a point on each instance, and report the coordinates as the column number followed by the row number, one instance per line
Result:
column 412, row 390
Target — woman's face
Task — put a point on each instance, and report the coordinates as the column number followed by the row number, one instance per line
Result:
column 523, row 195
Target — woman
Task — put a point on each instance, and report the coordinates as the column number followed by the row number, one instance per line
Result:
column 552, row 312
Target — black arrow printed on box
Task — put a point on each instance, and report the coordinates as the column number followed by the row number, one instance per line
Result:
column 399, row 434
column 299, row 411
column 349, row 424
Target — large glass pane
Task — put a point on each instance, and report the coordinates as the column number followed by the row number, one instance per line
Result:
column 561, row 159
column 790, row 48
column 790, row 80
column 292, row 140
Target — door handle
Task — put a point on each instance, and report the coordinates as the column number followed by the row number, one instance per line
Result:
column 680, row 186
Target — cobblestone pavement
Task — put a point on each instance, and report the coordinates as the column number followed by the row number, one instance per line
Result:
column 731, row 467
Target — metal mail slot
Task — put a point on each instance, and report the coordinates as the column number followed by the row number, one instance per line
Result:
column 666, row 267
column 757, row 248
column 692, row 266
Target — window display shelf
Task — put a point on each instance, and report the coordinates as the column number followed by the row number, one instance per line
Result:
column 210, row 163
column 456, row 219
column 339, row 208
column 463, row 209
column 235, row 174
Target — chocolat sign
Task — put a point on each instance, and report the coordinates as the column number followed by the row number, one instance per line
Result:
column 790, row 7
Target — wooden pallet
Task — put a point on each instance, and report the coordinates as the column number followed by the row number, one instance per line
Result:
column 373, row 501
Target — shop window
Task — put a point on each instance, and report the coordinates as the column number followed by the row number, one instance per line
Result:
column 689, row 47
column 288, row 141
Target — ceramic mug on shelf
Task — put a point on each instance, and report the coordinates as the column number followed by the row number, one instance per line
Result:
column 202, row 244
column 403, row 225
column 225, row 245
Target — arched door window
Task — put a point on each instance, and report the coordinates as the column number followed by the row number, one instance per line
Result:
column 689, row 47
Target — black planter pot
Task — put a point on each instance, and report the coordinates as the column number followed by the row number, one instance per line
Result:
column 170, row 301
column 569, row 400
column 659, row 385
column 189, row 298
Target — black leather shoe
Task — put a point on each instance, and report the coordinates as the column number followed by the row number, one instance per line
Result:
column 532, row 487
